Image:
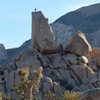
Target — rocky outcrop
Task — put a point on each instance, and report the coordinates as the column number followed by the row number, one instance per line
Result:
column 68, row 69
column 60, row 72
column 29, row 58
column 3, row 53
column 42, row 34
column 78, row 44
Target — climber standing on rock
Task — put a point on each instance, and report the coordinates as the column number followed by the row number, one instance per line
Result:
column 35, row 9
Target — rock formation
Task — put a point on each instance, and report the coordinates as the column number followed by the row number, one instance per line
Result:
column 42, row 34
column 62, row 33
column 3, row 53
column 75, row 68
column 78, row 44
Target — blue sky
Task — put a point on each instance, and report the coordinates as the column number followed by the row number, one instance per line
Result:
column 15, row 16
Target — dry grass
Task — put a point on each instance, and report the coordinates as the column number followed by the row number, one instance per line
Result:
column 70, row 95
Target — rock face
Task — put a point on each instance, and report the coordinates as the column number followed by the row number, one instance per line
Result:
column 62, row 33
column 96, row 56
column 3, row 53
column 78, row 44
column 92, row 94
column 42, row 35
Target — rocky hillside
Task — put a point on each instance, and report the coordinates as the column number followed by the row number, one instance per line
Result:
column 85, row 19
column 46, row 70
column 63, row 58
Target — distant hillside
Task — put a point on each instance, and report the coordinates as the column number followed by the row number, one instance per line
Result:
column 9, row 54
column 17, row 51
column 86, row 19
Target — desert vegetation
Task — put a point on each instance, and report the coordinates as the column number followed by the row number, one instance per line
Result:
column 28, row 89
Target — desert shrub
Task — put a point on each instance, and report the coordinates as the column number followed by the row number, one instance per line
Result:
column 1, row 96
column 27, row 88
column 23, row 72
column 70, row 95
column 50, row 96
column 4, row 96
column 20, row 89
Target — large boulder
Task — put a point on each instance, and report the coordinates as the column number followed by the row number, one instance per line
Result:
column 78, row 44
column 28, row 58
column 56, row 61
column 42, row 34
column 47, row 86
column 70, row 58
column 83, row 71
column 79, row 71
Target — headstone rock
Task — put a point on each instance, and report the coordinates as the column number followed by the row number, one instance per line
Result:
column 42, row 34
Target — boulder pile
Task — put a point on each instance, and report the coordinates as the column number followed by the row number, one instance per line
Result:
column 75, row 68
